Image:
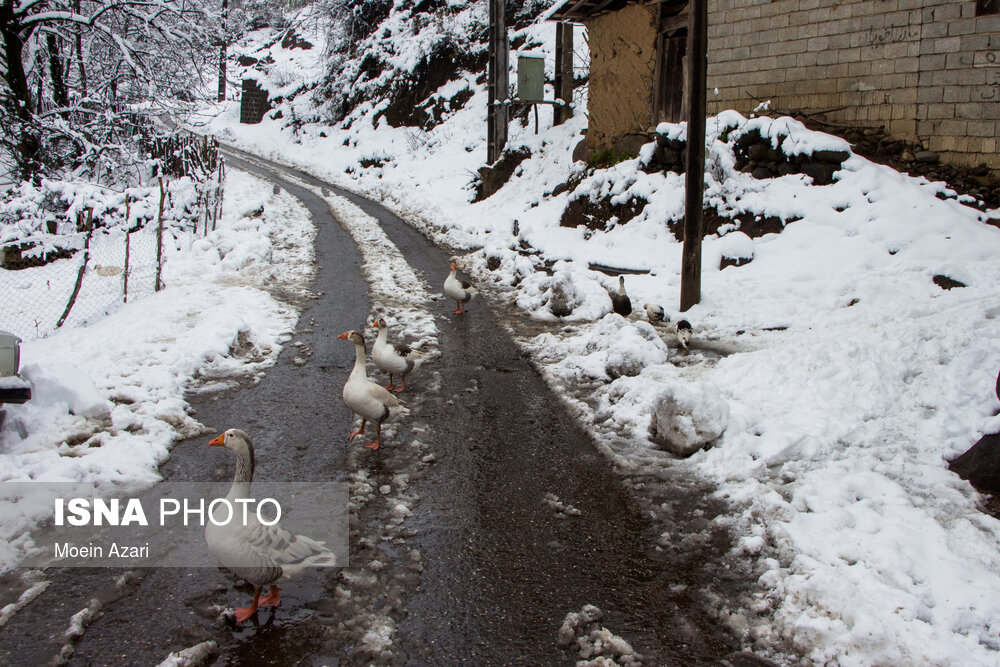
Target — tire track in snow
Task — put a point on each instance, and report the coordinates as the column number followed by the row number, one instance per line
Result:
column 371, row 594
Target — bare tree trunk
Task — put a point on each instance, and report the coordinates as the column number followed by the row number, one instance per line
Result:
column 59, row 95
column 79, row 55
column 27, row 146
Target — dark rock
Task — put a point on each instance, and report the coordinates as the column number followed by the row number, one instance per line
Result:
column 821, row 172
column 734, row 261
column 758, row 151
column 492, row 263
column 292, row 40
column 946, row 283
column 927, row 157
column 981, row 464
column 582, row 211
column 836, row 157
column 582, row 152
column 492, row 178
column 433, row 71
column 559, row 189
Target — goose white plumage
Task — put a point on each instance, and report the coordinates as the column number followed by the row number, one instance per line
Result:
column 620, row 301
column 256, row 552
column 393, row 358
column 684, row 333
column 459, row 290
column 368, row 399
column 654, row 313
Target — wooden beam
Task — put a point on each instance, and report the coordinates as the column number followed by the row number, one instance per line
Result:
column 695, row 159
column 672, row 23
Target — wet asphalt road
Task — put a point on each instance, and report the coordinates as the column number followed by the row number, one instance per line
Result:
column 499, row 565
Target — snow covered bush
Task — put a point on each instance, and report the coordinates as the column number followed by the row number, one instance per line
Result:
column 689, row 415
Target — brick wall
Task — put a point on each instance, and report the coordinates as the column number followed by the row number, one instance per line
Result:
column 926, row 70
column 622, row 62
column 253, row 103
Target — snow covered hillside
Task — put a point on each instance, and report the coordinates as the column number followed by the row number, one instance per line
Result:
column 843, row 375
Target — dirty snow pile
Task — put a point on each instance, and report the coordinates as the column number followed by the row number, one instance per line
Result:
column 830, row 378
column 108, row 397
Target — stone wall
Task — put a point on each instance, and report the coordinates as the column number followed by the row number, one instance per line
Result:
column 622, row 63
column 925, row 70
column 253, row 103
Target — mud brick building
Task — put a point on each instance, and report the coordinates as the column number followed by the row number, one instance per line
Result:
column 925, row 70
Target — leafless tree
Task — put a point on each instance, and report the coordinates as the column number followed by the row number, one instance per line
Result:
column 81, row 79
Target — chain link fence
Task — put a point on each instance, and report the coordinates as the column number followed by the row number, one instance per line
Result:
column 40, row 295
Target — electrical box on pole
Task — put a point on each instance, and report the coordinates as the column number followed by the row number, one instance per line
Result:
column 530, row 79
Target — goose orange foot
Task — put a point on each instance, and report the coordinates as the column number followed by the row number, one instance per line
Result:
column 272, row 599
column 243, row 613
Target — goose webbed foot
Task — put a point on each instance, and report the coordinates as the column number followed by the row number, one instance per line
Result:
column 360, row 431
column 272, row 599
column 243, row 613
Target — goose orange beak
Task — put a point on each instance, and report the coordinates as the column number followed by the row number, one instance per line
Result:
column 219, row 441
column 453, row 266
column 344, row 335
column 374, row 325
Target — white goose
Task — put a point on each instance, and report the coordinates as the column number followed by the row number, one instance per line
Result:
column 459, row 290
column 654, row 313
column 257, row 553
column 394, row 359
column 684, row 333
column 366, row 398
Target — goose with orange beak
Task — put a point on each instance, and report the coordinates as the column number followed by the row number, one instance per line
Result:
column 393, row 358
column 258, row 553
column 370, row 400
column 459, row 290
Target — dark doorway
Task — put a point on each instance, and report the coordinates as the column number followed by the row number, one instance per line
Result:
column 668, row 103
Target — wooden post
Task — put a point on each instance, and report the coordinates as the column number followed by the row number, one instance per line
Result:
column 159, row 241
column 128, row 238
column 83, row 269
column 564, row 73
column 695, row 162
column 222, row 51
column 497, row 82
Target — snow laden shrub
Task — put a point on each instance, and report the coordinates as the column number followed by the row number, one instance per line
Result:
column 688, row 416
column 570, row 293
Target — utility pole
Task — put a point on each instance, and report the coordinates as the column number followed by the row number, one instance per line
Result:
column 697, row 60
column 222, row 50
column 497, row 82
column 564, row 73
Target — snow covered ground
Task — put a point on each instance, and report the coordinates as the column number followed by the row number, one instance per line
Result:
column 846, row 377
column 108, row 398
column 843, row 376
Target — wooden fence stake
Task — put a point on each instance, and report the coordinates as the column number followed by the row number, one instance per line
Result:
column 159, row 240
column 128, row 237
column 83, row 269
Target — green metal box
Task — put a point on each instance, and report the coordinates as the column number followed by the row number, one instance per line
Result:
column 530, row 79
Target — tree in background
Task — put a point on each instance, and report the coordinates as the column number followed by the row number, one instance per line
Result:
column 82, row 81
